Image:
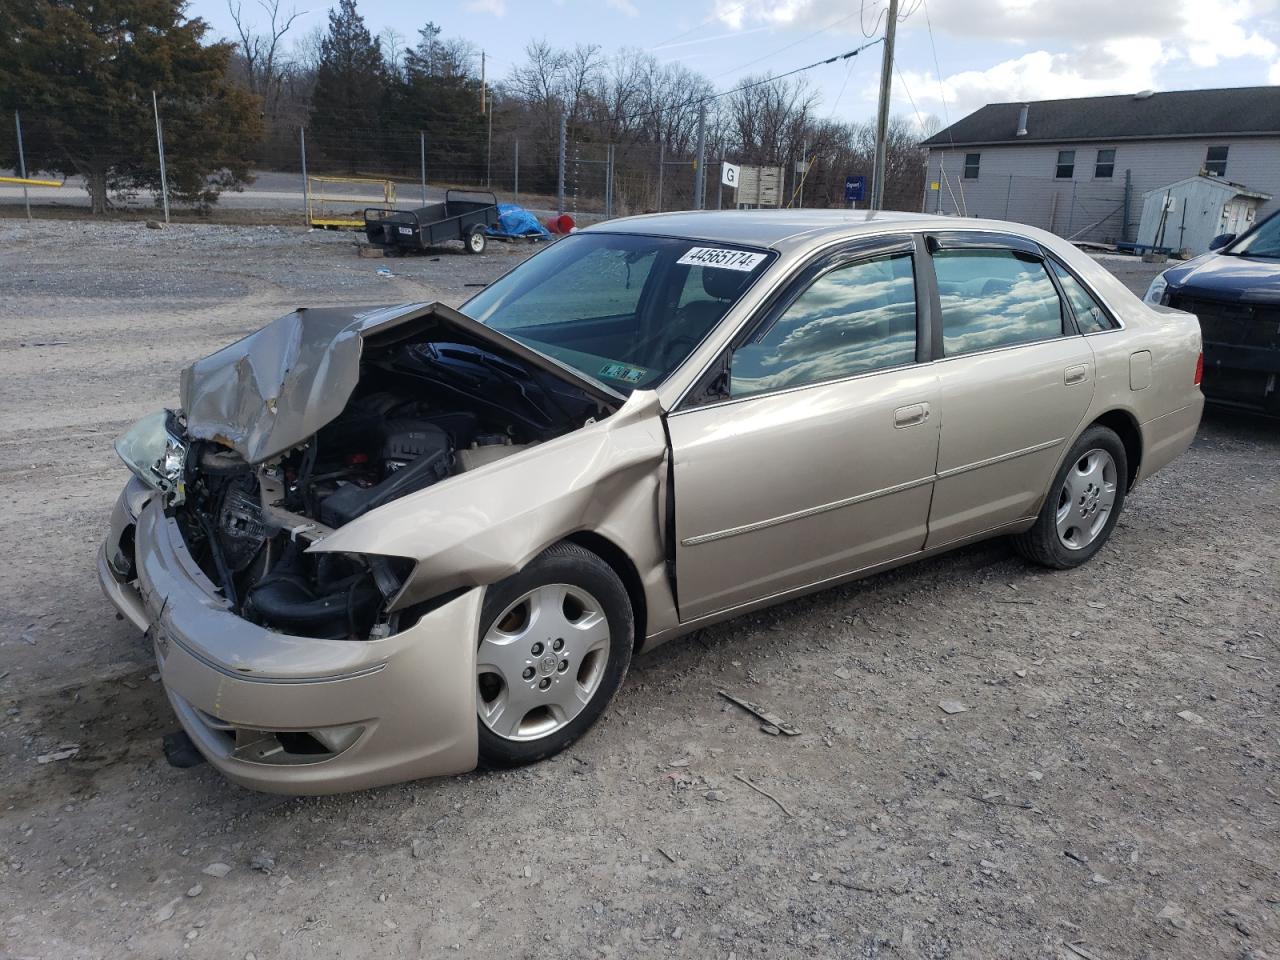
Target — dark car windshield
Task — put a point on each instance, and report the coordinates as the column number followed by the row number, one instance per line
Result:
column 1264, row 241
column 625, row 309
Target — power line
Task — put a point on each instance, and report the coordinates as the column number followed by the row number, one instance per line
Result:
column 822, row 29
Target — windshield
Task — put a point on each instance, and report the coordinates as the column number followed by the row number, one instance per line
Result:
column 621, row 308
column 1262, row 242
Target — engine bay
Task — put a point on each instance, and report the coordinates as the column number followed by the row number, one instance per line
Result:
column 421, row 412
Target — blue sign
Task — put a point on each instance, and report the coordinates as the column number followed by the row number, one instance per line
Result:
column 855, row 189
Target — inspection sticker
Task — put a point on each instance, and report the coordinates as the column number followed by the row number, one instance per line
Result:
column 724, row 259
column 620, row 371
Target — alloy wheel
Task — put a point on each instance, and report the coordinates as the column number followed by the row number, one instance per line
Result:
column 541, row 662
column 1086, row 499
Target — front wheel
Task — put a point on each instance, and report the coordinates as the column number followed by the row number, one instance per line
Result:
column 476, row 241
column 555, row 643
column 1083, row 504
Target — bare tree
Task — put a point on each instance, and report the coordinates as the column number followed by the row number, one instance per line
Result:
column 260, row 49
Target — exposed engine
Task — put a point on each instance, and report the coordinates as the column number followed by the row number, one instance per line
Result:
column 422, row 412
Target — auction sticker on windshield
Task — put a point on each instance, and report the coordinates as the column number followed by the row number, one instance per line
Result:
column 724, row 259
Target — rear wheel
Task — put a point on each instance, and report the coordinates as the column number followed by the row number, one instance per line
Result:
column 1083, row 505
column 554, row 646
column 476, row 241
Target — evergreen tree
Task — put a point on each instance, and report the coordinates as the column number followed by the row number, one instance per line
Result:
column 82, row 72
column 346, row 105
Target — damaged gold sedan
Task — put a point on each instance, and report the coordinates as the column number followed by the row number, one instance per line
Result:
column 378, row 544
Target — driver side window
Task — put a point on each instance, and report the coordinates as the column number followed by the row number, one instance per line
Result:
column 853, row 319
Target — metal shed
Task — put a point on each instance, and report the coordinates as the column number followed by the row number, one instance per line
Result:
column 1189, row 213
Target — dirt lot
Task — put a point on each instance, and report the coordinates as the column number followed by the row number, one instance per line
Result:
column 1069, row 813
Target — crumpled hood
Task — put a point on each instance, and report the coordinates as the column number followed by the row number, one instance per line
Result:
column 277, row 387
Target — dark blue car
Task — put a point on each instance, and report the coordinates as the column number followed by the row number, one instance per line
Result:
column 1235, row 291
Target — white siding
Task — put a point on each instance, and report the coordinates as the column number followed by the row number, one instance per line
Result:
column 1016, row 181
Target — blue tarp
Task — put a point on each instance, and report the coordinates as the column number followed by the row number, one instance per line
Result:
column 516, row 221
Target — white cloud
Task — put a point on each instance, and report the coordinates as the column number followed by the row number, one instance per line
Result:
column 624, row 6
column 1082, row 48
column 497, row 8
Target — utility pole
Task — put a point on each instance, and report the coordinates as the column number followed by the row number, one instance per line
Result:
column 699, row 173
column 564, row 122
column 882, row 116
column 804, row 173
column 164, row 177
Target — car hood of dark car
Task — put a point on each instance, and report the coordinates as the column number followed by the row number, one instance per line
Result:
column 275, row 388
column 1220, row 276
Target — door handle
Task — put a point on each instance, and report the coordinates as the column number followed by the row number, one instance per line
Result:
column 1077, row 374
column 909, row 416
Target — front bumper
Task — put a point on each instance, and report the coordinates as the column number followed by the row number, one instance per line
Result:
column 295, row 714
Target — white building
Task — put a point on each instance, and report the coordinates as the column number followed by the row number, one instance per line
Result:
column 1081, row 167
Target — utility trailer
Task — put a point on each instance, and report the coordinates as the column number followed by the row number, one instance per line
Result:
column 464, row 215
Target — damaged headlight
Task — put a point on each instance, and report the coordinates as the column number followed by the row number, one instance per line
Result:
column 155, row 455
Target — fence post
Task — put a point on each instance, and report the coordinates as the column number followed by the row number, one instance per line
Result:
column 564, row 120
column 1128, row 196
column 306, row 184
column 422, row 153
column 608, row 183
column 22, row 163
column 662, row 163
column 515, row 188
column 164, row 177
column 699, row 174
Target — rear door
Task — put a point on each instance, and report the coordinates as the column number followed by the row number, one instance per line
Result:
column 1014, row 382
column 811, row 453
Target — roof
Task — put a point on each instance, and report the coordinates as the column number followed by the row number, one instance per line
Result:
column 1233, row 111
column 766, row 228
column 1226, row 186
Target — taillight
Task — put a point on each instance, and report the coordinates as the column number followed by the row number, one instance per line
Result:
column 1199, row 368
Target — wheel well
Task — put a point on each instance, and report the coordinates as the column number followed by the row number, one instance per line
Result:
column 617, row 558
column 1126, row 427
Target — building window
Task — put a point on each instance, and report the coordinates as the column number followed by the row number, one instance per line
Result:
column 1066, row 168
column 1215, row 162
column 1105, row 165
column 971, row 164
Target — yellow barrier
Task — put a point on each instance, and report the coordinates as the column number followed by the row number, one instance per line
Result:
column 317, row 200
column 28, row 182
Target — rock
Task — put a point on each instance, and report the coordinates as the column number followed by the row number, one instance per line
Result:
column 166, row 912
column 64, row 752
column 717, row 795
column 192, row 934
column 195, row 891
column 844, row 673
column 677, row 933
column 1191, row 717
column 418, row 849
column 1019, row 673
column 1035, row 775
column 770, row 729
column 1099, row 879
column 154, row 225
column 218, row 870
column 1174, row 916
column 952, row 706
column 263, row 861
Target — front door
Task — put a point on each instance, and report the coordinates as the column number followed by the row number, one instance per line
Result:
column 1014, row 383
column 817, row 459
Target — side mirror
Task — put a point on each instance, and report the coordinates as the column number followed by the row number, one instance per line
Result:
column 1221, row 240
column 748, row 370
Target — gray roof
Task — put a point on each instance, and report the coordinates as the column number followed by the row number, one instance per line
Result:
column 1230, row 112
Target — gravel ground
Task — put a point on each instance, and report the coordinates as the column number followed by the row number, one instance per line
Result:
column 1070, row 812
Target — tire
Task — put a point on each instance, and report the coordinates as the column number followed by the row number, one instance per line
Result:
column 476, row 241
column 1083, row 504
column 534, row 698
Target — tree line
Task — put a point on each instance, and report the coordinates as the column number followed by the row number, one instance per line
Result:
column 82, row 72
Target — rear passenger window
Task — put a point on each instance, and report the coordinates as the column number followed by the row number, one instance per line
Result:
column 993, row 298
column 853, row 319
column 1090, row 317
